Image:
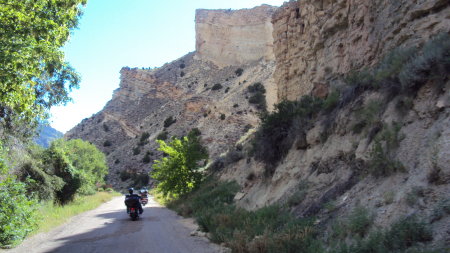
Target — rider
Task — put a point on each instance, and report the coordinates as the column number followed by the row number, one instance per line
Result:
column 133, row 199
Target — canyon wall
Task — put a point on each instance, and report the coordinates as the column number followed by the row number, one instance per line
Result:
column 313, row 39
column 234, row 37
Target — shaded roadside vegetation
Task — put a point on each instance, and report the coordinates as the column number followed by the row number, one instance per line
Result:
column 45, row 178
column 275, row 229
column 399, row 75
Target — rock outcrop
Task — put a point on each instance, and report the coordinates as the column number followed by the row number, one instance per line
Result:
column 234, row 37
column 313, row 39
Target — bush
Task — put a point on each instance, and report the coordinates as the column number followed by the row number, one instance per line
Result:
column 402, row 235
column 239, row 71
column 222, row 116
column 144, row 139
column 162, row 136
column 259, row 100
column 256, row 87
column 278, row 129
column 182, row 74
column 105, row 127
column 79, row 164
column 107, row 143
column 182, row 66
column 178, row 173
column 17, row 211
column 136, row 150
column 147, row 158
column 169, row 121
column 381, row 161
column 217, row 86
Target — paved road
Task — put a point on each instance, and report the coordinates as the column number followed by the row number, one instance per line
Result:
column 109, row 229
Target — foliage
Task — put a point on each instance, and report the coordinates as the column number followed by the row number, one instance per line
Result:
column 402, row 235
column 34, row 75
column 381, row 161
column 217, row 86
column 169, row 121
column 269, row 229
column 222, row 116
column 107, row 143
column 17, row 211
column 368, row 115
column 178, row 173
column 239, row 71
column 147, row 158
column 79, row 164
column 258, row 98
column 256, row 87
column 144, row 139
column 272, row 142
column 162, row 136
column 136, row 150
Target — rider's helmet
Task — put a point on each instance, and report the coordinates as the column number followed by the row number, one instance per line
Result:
column 131, row 190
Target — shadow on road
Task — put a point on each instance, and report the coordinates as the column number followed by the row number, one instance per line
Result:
column 111, row 232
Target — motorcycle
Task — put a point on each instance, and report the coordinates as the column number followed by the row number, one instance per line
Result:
column 134, row 213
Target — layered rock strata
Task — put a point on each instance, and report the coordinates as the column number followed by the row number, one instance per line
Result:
column 313, row 39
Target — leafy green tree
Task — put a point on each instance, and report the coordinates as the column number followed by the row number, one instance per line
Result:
column 17, row 209
column 80, row 164
column 34, row 75
column 178, row 173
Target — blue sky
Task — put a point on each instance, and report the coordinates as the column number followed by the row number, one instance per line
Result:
column 135, row 33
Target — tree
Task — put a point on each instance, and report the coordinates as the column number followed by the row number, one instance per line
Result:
column 178, row 173
column 34, row 76
column 80, row 165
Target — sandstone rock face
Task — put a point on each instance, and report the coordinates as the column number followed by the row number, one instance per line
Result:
column 315, row 38
column 227, row 37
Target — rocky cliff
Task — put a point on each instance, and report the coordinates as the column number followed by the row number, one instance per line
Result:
column 227, row 37
column 315, row 38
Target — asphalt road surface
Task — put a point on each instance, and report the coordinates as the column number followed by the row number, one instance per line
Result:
column 109, row 229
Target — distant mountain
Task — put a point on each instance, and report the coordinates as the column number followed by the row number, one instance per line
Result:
column 46, row 135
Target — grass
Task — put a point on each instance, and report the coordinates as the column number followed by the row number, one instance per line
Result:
column 54, row 215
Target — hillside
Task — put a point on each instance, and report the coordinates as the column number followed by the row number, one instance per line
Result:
column 46, row 135
column 363, row 114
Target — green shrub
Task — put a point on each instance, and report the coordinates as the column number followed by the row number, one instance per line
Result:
column 105, row 127
column 162, row 136
column 359, row 221
column 368, row 115
column 144, row 139
column 169, row 121
column 259, row 100
column 178, row 173
column 182, row 74
column 182, row 66
column 431, row 64
column 107, row 143
column 400, row 237
column 278, row 129
column 239, row 71
column 17, row 211
column 256, row 87
column 217, row 86
column 382, row 162
column 147, row 158
column 222, row 116
column 136, row 150
column 227, row 89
